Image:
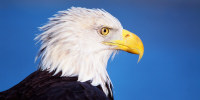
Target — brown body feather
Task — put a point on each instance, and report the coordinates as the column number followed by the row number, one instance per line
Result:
column 42, row 85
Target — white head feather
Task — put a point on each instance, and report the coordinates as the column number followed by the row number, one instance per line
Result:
column 71, row 44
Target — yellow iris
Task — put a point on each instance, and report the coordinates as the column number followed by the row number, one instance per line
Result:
column 104, row 31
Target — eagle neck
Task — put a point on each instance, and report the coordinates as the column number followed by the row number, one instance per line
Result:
column 86, row 66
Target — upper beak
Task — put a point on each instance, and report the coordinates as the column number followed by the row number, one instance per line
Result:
column 130, row 43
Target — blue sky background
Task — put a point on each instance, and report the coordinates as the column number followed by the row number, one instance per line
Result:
column 170, row 30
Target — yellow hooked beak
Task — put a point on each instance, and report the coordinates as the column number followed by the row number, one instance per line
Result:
column 130, row 43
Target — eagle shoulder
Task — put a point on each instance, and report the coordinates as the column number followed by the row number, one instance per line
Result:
column 42, row 85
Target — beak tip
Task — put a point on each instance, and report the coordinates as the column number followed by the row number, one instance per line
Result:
column 140, row 57
column 138, row 60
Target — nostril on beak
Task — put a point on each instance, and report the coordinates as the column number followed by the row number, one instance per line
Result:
column 127, row 35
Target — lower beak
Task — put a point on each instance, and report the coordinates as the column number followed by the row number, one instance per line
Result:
column 130, row 43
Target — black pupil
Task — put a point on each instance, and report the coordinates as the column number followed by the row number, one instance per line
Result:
column 105, row 30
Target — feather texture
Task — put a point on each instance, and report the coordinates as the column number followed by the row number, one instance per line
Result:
column 71, row 44
column 73, row 58
column 41, row 85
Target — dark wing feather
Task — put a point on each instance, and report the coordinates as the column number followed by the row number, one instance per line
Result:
column 72, row 91
column 42, row 85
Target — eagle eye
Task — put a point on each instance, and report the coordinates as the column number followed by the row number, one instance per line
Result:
column 104, row 31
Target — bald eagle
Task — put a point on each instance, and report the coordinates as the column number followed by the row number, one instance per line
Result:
column 75, row 47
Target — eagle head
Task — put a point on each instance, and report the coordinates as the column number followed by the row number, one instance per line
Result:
column 79, row 41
